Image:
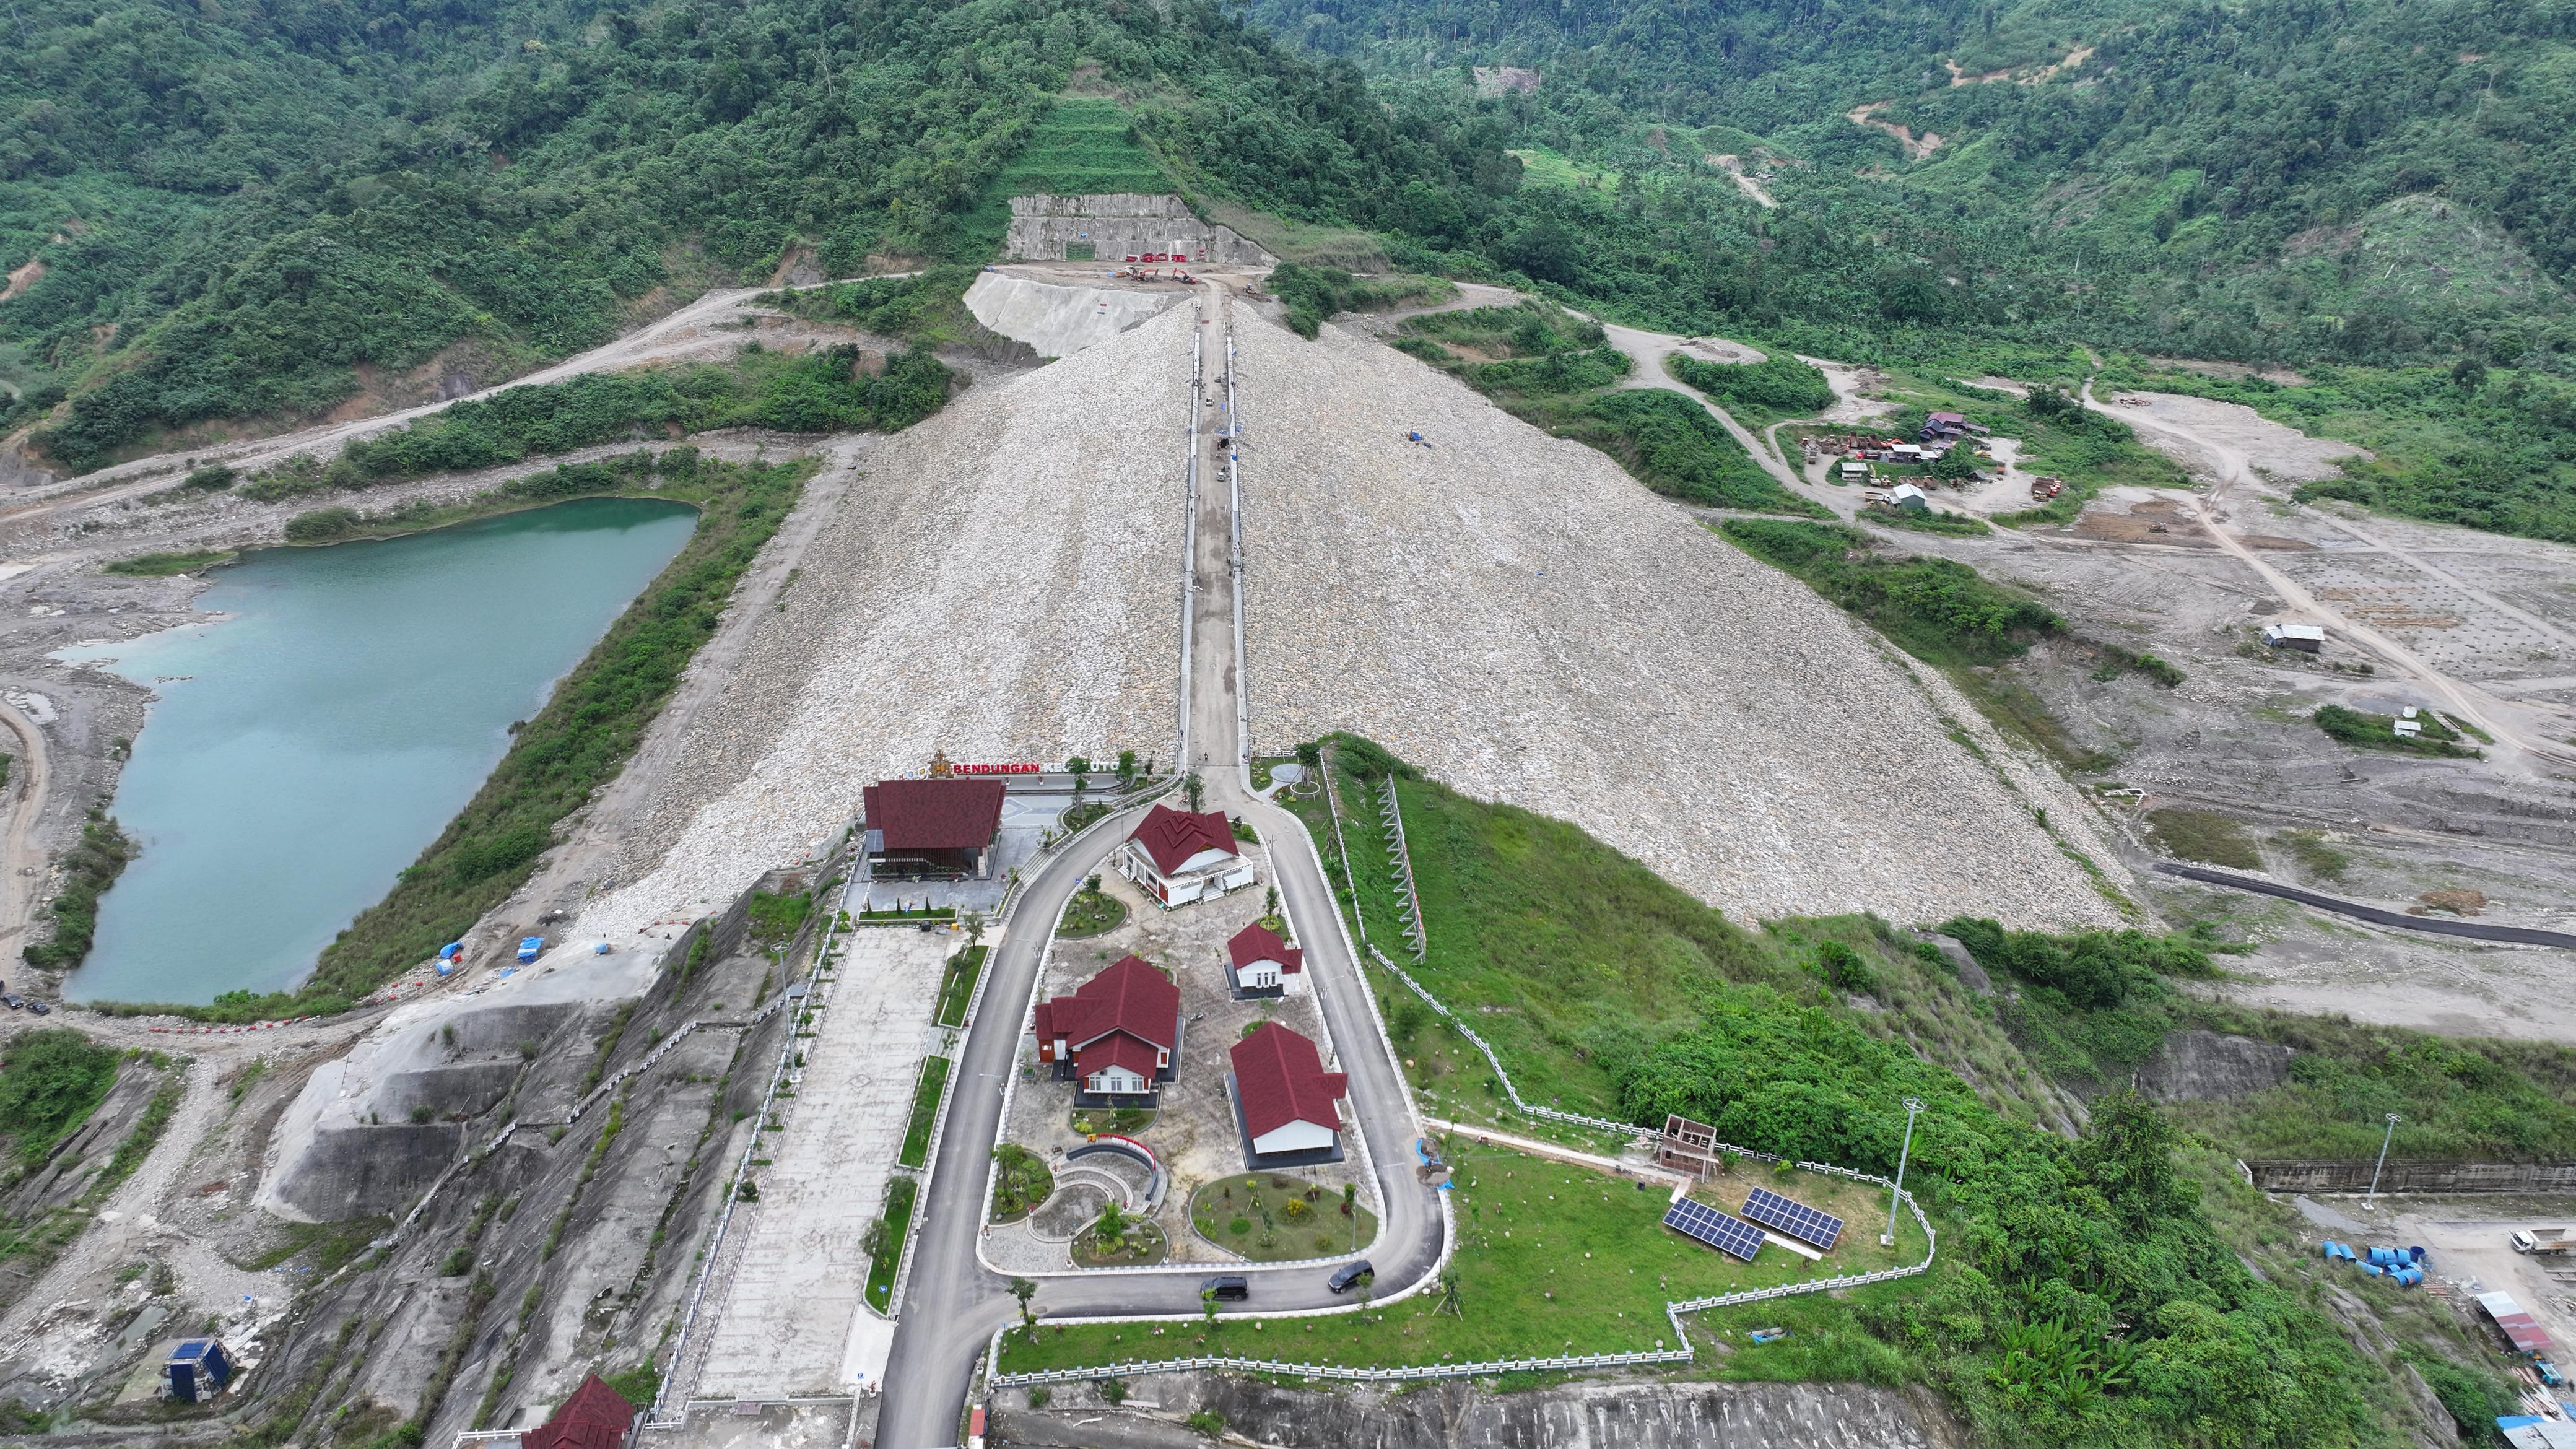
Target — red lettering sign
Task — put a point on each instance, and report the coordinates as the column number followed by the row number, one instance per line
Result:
column 1002, row 769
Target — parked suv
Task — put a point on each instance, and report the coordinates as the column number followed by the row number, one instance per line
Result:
column 1229, row 1288
column 1348, row 1275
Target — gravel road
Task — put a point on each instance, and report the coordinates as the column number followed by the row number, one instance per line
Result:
column 1517, row 616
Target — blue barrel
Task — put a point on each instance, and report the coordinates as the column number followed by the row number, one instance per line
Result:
column 2373, row 1269
column 2415, row 1254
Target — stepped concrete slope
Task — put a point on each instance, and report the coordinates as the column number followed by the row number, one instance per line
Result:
column 1059, row 320
column 1002, row 582
column 1519, row 617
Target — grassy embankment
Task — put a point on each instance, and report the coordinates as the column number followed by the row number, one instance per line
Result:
column 1756, row 394
column 1938, row 610
column 1558, row 372
column 53, row 1080
column 2083, row 1294
column 90, row 869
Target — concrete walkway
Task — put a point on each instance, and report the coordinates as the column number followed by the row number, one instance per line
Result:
column 794, row 1300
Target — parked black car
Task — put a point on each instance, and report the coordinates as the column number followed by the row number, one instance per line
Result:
column 40, row 1008
column 1230, row 1288
column 1349, row 1274
column 12, row 1000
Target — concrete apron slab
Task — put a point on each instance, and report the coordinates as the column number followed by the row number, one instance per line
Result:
column 794, row 1320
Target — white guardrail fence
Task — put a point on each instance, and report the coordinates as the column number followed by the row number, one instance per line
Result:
column 995, row 1378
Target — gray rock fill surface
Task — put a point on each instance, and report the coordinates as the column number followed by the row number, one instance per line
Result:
column 1003, row 582
column 1520, row 618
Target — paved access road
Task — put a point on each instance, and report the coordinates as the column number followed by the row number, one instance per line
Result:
column 952, row 1303
column 2437, row 925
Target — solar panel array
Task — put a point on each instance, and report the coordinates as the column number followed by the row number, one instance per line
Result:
column 1795, row 1218
column 1708, row 1225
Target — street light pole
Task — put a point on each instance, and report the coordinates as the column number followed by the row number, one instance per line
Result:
column 2368, row 1197
column 1912, row 1105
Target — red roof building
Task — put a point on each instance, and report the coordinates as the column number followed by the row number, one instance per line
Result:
column 1285, row 1094
column 1261, row 960
column 1119, row 1032
column 1184, row 855
column 931, row 827
column 595, row 1417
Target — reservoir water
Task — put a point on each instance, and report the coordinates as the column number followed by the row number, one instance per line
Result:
column 307, row 745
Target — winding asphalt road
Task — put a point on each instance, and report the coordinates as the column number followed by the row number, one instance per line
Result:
column 952, row 1302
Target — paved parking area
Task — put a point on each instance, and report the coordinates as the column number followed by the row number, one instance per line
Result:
column 791, row 1302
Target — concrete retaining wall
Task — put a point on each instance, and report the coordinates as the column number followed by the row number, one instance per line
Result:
column 1118, row 223
column 2282, row 1174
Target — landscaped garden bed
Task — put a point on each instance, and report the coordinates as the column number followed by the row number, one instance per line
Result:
column 1271, row 1217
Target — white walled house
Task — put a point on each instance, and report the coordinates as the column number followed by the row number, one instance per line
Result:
column 1180, row 856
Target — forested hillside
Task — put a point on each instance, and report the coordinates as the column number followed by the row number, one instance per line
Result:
column 2360, row 180
column 234, row 211
column 212, row 213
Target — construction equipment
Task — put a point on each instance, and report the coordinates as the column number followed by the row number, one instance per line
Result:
column 2545, row 1242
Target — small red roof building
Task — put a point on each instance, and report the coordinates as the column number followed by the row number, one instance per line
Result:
column 595, row 1417
column 1119, row 1029
column 1286, row 1095
column 936, row 824
column 1260, row 958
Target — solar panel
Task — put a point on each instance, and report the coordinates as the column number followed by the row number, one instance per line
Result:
column 1706, row 1224
column 1795, row 1218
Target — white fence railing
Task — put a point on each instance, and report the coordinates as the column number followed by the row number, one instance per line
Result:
column 1683, row 1353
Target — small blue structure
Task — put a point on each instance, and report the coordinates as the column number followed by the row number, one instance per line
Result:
column 529, row 948
column 451, row 950
column 198, row 1370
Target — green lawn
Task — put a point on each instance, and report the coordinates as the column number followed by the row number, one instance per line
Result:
column 888, row 1259
column 1250, row 1214
column 959, row 988
column 1550, row 1260
column 925, row 1112
column 1091, row 913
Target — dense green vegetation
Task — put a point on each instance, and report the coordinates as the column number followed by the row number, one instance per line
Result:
column 1559, row 372
column 579, row 741
column 374, row 192
column 50, row 1083
column 162, row 565
column 2083, row 1296
column 817, row 392
column 2094, row 1008
column 1940, row 611
column 1779, row 386
column 90, row 868
column 1315, row 293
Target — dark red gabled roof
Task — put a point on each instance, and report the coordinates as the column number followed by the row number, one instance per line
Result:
column 1130, row 997
column 1281, row 1079
column 595, row 1417
column 934, row 814
column 1258, row 942
column 1117, row 1049
column 1172, row 836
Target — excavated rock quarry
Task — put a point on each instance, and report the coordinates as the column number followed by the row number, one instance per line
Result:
column 1520, row 618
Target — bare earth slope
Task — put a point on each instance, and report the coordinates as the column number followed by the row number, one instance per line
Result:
column 1520, row 618
column 1001, row 581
